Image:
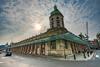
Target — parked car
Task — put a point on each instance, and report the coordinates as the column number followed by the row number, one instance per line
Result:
column 0, row 52
column 9, row 53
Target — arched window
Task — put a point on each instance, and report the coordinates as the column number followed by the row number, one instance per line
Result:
column 52, row 19
column 66, row 45
column 58, row 24
column 57, row 17
column 52, row 24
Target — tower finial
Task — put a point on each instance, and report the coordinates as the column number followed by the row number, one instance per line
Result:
column 55, row 7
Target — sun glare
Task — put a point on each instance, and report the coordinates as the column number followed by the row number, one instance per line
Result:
column 37, row 27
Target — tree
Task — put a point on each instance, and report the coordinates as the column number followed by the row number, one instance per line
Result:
column 81, row 36
column 98, row 39
column 98, row 36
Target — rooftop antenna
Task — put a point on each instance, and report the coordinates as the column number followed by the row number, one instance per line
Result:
column 87, row 37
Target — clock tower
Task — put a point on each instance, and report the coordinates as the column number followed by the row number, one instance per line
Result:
column 56, row 22
column 56, row 19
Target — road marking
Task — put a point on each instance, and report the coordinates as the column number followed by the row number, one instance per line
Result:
column 1, row 62
column 4, row 57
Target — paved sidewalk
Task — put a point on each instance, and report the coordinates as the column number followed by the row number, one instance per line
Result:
column 78, row 57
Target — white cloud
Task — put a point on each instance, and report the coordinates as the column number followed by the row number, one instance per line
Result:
column 23, row 13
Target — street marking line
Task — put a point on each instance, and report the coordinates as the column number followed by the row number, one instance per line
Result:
column 1, row 62
column 4, row 57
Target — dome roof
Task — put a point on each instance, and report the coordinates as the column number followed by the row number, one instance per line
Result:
column 56, row 11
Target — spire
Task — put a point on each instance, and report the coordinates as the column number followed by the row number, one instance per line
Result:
column 55, row 7
column 56, row 19
column 56, row 11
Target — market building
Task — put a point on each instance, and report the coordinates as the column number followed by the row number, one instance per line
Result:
column 56, row 41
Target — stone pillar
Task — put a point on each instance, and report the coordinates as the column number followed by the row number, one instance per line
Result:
column 33, row 49
column 18, row 50
column 46, row 49
column 21, row 49
column 25, row 49
column 30, row 49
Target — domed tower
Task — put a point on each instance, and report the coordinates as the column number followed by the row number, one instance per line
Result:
column 56, row 19
column 56, row 23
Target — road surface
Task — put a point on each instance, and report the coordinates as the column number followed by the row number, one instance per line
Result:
column 24, row 61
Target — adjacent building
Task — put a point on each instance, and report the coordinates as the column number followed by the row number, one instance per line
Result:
column 98, row 40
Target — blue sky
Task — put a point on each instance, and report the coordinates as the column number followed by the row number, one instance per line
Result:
column 18, row 18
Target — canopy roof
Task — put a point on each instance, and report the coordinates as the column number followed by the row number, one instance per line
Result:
column 66, row 36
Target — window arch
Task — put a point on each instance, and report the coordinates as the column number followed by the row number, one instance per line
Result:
column 57, row 18
column 58, row 24
column 52, row 19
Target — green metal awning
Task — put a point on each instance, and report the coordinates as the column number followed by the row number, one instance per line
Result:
column 66, row 36
column 47, row 39
column 71, row 37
